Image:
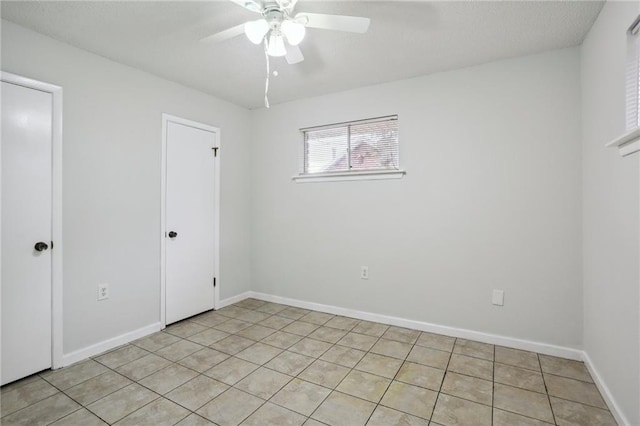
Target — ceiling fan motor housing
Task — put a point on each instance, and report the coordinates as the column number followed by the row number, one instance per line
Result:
column 274, row 18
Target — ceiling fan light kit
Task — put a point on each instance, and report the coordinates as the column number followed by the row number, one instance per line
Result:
column 273, row 28
column 275, row 45
column 294, row 32
column 256, row 30
column 277, row 24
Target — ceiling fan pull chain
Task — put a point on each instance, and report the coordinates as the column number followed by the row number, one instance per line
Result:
column 266, row 83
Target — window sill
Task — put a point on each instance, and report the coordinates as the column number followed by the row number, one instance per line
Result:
column 363, row 175
column 628, row 143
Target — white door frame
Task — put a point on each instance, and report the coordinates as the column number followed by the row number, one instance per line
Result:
column 56, row 208
column 166, row 118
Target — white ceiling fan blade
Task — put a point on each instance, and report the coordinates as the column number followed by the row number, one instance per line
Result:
column 224, row 35
column 294, row 55
column 251, row 5
column 354, row 24
column 289, row 5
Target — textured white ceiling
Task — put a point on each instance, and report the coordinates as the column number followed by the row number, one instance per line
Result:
column 405, row 39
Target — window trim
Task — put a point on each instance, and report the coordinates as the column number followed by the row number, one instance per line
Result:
column 370, row 174
column 356, row 175
column 632, row 97
column 629, row 142
column 349, row 123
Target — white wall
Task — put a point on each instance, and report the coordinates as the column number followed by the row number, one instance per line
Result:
column 111, row 182
column 611, row 209
column 499, row 194
column 491, row 199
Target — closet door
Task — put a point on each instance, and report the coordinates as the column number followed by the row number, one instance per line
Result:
column 190, row 207
column 26, row 230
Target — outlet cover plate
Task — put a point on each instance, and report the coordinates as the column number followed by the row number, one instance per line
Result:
column 498, row 298
column 103, row 291
column 364, row 272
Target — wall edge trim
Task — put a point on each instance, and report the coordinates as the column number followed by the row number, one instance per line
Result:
column 105, row 345
column 114, row 342
column 233, row 299
column 543, row 348
column 604, row 391
column 495, row 339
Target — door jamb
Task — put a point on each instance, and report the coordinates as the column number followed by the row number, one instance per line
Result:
column 166, row 118
column 56, row 209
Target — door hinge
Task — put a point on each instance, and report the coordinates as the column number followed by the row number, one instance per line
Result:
column 215, row 151
column 51, row 245
column 214, row 282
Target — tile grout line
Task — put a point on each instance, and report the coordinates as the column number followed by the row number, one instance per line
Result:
column 377, row 404
column 391, row 380
column 446, row 370
column 351, row 369
column 282, row 350
column 387, row 378
column 112, row 369
column 268, row 400
column 493, row 385
column 67, row 415
column 396, row 375
column 44, row 399
column 159, row 395
column 78, row 402
column 340, row 365
column 553, row 414
column 58, row 390
column 282, row 387
column 292, row 378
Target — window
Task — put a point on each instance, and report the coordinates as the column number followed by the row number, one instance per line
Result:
column 364, row 149
column 633, row 76
column 629, row 142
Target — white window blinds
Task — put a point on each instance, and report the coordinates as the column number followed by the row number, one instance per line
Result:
column 633, row 77
column 365, row 145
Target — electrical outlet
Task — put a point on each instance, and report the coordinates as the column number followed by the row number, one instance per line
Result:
column 364, row 272
column 498, row 298
column 103, row 291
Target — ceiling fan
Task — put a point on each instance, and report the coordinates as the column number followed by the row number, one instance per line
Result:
column 278, row 24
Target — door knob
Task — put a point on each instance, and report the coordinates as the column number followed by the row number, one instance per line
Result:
column 173, row 234
column 40, row 246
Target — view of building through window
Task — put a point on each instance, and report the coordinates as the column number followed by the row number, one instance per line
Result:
column 356, row 146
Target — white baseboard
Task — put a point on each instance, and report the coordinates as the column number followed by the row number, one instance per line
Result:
column 98, row 348
column 543, row 348
column 605, row 392
column 527, row 345
column 233, row 299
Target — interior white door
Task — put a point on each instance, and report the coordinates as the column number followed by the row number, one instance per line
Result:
column 189, row 221
column 26, row 231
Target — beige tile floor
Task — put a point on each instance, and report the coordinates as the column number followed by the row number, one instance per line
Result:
column 257, row 363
